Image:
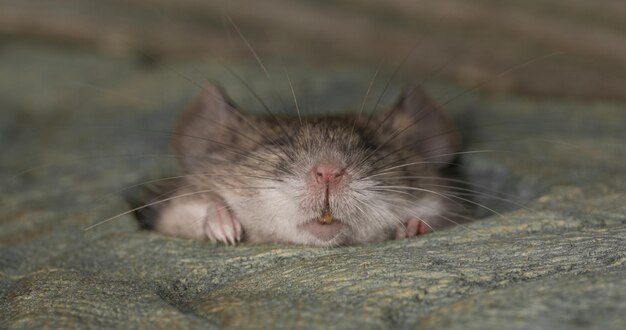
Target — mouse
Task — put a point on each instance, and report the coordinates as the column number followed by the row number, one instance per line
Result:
column 326, row 181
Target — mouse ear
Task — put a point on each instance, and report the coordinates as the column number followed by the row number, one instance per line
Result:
column 206, row 126
column 424, row 126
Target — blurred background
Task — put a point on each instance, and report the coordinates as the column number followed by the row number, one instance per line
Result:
column 462, row 42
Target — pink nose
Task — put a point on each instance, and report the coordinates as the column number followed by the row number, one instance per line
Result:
column 328, row 173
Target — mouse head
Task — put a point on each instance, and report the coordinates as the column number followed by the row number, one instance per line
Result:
column 322, row 181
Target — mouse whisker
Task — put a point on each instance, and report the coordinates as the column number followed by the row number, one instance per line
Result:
column 408, row 209
column 293, row 94
column 190, row 176
column 440, row 194
column 424, row 177
column 266, row 72
column 431, row 75
column 458, row 181
column 388, row 83
column 365, row 97
column 381, row 171
column 169, row 199
column 411, row 145
column 446, row 218
column 400, row 221
column 432, row 107
column 232, row 72
column 376, row 172
column 393, row 204
column 398, row 132
column 258, row 60
column 230, row 129
column 147, row 205
column 474, row 192
column 266, row 109
column 378, row 220
column 228, row 147
column 449, row 197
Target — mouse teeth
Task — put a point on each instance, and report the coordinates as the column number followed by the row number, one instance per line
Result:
column 326, row 218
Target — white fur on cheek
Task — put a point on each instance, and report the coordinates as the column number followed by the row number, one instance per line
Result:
column 270, row 216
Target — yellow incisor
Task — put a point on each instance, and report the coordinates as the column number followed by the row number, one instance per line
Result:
column 326, row 218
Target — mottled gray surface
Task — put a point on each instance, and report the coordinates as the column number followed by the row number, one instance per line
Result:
column 556, row 263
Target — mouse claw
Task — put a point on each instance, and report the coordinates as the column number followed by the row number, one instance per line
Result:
column 221, row 227
column 412, row 228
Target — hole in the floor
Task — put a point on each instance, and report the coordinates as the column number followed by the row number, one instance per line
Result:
column 494, row 187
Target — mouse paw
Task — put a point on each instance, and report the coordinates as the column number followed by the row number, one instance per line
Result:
column 412, row 228
column 221, row 226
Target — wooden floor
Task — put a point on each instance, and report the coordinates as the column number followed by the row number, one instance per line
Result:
column 576, row 48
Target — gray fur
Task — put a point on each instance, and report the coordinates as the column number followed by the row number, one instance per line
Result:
column 257, row 170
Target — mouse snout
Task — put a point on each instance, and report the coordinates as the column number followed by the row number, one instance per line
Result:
column 328, row 173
